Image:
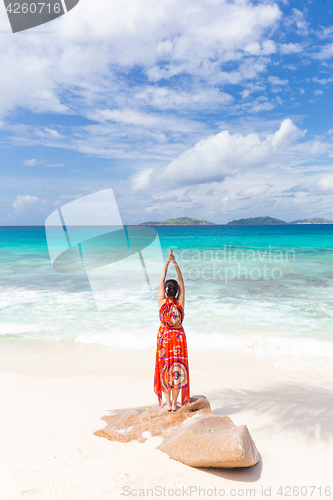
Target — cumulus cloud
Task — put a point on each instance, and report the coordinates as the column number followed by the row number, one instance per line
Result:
column 254, row 190
column 298, row 18
column 326, row 52
column 165, row 98
column 22, row 200
column 291, row 48
column 326, row 183
column 322, row 81
column 274, row 80
column 226, row 155
column 325, row 32
column 30, row 163
column 101, row 39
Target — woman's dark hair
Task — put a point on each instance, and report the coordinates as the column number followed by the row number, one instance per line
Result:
column 171, row 288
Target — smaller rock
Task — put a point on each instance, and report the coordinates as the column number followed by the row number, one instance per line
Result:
column 212, row 441
column 131, row 423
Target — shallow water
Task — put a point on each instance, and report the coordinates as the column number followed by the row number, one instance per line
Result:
column 265, row 287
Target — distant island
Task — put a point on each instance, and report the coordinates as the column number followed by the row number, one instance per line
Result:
column 252, row 221
column 181, row 221
column 257, row 221
column 270, row 221
column 316, row 220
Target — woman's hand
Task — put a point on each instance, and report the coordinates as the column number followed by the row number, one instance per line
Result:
column 171, row 257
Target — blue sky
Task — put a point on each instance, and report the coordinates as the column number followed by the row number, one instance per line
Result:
column 207, row 108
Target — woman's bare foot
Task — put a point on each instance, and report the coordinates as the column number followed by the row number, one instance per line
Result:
column 168, row 407
column 174, row 407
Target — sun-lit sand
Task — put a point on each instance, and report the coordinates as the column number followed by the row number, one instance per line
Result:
column 53, row 394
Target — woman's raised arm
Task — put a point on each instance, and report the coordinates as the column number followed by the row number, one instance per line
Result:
column 161, row 292
column 181, row 293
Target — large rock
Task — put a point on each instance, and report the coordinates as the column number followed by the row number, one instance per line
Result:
column 212, row 441
column 192, row 435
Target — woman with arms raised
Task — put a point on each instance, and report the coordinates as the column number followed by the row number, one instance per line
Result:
column 171, row 366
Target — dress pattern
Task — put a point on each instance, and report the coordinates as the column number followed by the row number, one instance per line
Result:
column 171, row 365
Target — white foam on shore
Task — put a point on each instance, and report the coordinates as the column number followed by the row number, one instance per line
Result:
column 297, row 333
column 290, row 354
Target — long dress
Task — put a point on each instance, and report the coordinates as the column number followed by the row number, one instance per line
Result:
column 171, row 365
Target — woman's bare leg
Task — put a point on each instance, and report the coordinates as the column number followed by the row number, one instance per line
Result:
column 168, row 401
column 175, row 394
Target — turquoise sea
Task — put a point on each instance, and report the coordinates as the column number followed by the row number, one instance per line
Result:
column 266, row 288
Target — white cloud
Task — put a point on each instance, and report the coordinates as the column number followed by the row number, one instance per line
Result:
column 146, row 72
column 228, row 155
column 291, row 48
column 257, row 106
column 292, row 67
column 252, row 106
column 274, row 80
column 286, row 135
column 325, row 32
column 124, row 134
column 22, row 200
column 255, row 48
column 127, row 116
column 31, row 163
column 326, row 52
column 49, row 133
column 322, row 81
column 285, row 193
column 143, row 179
column 326, row 183
column 153, row 208
column 245, row 93
column 102, row 40
column 297, row 17
column 254, row 190
column 168, row 98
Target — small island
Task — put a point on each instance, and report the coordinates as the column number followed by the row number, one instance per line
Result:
column 270, row 221
column 316, row 220
column 257, row 221
column 181, row 221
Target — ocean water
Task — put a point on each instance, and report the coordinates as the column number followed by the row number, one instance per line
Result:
column 264, row 288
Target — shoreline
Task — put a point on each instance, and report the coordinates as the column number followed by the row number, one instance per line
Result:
column 68, row 358
column 54, row 393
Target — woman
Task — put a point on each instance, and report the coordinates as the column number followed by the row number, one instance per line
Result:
column 171, row 366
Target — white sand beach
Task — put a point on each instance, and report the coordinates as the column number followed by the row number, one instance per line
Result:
column 54, row 393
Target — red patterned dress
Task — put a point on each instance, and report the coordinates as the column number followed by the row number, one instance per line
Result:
column 171, row 365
